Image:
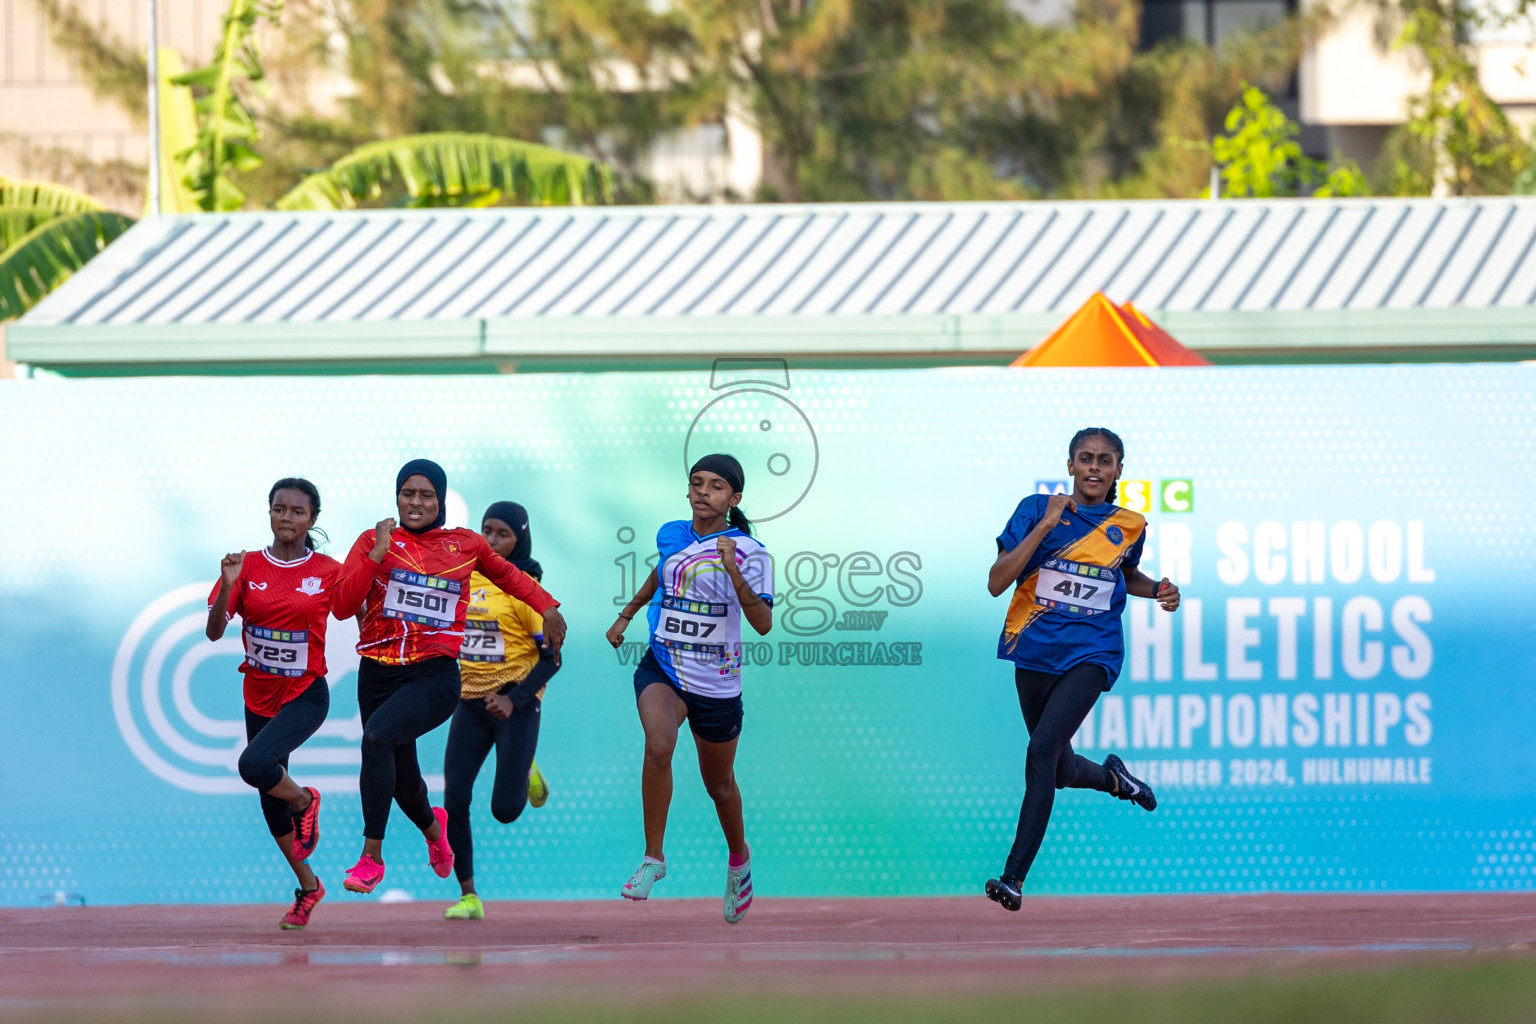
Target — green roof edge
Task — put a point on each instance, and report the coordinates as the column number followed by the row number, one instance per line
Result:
column 1374, row 335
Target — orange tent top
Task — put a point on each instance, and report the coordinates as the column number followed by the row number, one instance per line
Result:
column 1103, row 334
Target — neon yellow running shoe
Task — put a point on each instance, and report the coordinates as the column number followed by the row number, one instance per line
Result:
column 538, row 789
column 469, row 908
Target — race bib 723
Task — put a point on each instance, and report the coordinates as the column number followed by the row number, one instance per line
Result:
column 278, row 652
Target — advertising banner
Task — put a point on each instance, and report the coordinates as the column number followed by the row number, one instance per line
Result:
column 1345, row 700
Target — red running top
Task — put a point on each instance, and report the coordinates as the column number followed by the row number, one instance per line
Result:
column 282, row 607
column 413, row 601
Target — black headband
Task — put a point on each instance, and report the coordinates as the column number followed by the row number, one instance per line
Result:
column 723, row 466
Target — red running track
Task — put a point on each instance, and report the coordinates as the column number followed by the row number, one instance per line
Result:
column 233, row 959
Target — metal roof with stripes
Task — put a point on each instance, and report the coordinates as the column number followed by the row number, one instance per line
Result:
column 846, row 260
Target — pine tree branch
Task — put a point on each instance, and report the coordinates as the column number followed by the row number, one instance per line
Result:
column 112, row 68
column 587, row 136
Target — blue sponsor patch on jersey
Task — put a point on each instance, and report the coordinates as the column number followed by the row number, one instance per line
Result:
column 1115, row 534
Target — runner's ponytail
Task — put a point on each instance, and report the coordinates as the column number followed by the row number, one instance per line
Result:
column 737, row 518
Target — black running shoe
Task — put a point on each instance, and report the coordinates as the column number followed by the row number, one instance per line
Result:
column 1129, row 786
column 1005, row 891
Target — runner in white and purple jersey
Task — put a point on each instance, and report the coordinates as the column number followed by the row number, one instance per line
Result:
column 712, row 574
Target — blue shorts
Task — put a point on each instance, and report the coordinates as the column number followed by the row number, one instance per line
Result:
column 712, row 719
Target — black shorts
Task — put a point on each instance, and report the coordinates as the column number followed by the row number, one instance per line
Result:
column 712, row 719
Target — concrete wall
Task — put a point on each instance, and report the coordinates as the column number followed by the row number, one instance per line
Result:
column 1357, row 87
column 51, row 124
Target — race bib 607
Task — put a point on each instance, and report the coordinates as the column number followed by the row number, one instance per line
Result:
column 691, row 625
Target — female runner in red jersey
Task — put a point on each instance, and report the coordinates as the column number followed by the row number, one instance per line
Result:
column 411, row 584
column 282, row 595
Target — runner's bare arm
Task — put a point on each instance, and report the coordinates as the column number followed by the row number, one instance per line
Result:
column 229, row 575
column 640, row 600
column 1139, row 584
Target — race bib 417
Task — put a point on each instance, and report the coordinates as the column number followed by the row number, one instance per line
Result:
column 1075, row 588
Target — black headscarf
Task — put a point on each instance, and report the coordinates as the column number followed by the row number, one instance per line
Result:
column 515, row 516
column 436, row 477
column 723, row 466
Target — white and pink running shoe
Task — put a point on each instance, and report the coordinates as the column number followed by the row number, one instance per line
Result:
column 738, row 890
column 646, row 875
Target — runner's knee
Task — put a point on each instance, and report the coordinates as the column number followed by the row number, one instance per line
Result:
column 658, row 749
column 1040, row 762
column 720, row 790
column 259, row 769
column 378, row 739
column 508, row 809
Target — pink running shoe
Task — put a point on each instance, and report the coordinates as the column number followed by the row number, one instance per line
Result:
column 303, row 905
column 440, row 854
column 306, row 827
column 365, row 874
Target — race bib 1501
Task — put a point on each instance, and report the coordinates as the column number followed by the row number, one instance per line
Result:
column 278, row 652
column 1075, row 588
column 692, row 625
column 482, row 641
column 414, row 597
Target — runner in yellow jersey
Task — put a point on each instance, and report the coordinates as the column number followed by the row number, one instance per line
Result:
column 504, row 667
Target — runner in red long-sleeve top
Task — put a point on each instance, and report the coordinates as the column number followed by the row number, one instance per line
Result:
column 410, row 583
column 413, row 599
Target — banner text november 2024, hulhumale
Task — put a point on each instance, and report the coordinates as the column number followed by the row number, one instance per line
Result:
column 1345, row 700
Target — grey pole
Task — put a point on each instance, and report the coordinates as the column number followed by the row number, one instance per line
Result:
column 154, row 113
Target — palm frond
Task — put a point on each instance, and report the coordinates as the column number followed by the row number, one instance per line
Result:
column 225, row 127
column 17, row 221
column 452, row 169
column 178, row 136
column 19, row 192
column 46, row 256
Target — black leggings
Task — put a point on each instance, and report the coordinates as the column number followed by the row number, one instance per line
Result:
column 400, row 703
column 471, row 735
column 1054, row 708
column 269, row 741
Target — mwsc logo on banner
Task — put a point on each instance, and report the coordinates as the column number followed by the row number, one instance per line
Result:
column 1139, row 495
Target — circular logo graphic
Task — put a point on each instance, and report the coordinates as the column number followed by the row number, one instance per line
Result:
column 770, row 437
column 1114, row 534
column 181, row 717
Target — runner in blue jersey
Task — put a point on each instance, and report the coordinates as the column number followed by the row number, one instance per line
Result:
column 1072, row 561
column 712, row 574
